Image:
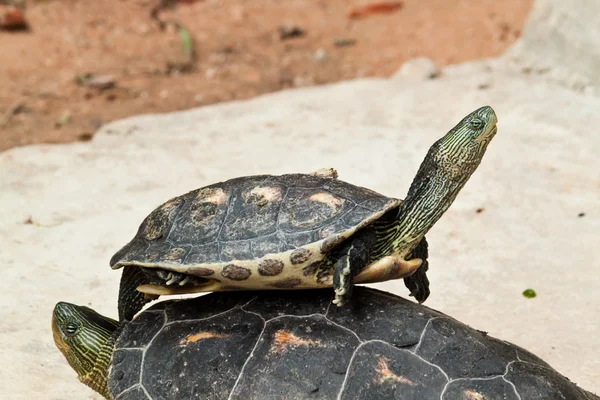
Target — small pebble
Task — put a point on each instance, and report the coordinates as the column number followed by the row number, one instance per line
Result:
column 290, row 31
column 320, row 55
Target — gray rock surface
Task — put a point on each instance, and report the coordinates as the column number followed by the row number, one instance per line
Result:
column 537, row 189
column 560, row 43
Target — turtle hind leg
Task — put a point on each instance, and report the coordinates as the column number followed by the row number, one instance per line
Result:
column 417, row 283
column 130, row 299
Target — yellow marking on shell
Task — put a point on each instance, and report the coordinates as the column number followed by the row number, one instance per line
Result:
column 201, row 336
column 268, row 193
column 472, row 395
column 386, row 375
column 213, row 195
column 205, row 206
column 327, row 198
column 282, row 339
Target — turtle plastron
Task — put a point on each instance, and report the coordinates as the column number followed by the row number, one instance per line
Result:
column 388, row 268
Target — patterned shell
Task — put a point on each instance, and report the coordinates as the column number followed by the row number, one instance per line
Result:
column 286, row 345
column 262, row 222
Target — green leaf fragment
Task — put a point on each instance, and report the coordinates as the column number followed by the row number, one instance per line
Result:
column 187, row 45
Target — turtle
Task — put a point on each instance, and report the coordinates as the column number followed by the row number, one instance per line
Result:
column 290, row 345
column 299, row 231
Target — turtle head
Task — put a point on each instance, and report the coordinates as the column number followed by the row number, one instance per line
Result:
column 448, row 165
column 456, row 155
column 86, row 339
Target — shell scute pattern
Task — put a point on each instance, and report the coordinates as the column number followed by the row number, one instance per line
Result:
column 253, row 212
column 244, row 221
column 473, row 389
column 286, row 344
column 392, row 373
column 311, row 347
column 141, row 330
column 198, row 254
column 241, row 250
column 199, row 221
column 157, row 223
column 310, row 209
column 377, row 316
column 125, row 369
column 440, row 345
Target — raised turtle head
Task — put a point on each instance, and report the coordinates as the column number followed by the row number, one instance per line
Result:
column 86, row 339
column 448, row 165
column 456, row 155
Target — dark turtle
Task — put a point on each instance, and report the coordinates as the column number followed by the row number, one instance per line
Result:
column 288, row 345
column 298, row 231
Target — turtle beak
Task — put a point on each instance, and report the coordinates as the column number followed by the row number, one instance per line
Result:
column 487, row 135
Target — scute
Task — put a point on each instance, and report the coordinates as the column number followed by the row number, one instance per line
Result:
column 249, row 218
column 474, row 389
column 380, row 371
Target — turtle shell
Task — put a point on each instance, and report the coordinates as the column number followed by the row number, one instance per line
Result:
column 286, row 345
column 255, row 232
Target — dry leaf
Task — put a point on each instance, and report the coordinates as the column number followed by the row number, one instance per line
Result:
column 11, row 18
column 375, row 8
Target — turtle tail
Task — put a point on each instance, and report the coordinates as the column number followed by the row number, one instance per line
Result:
column 130, row 299
column 417, row 283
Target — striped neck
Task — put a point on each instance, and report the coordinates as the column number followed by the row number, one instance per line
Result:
column 447, row 167
column 97, row 378
column 428, row 198
column 87, row 340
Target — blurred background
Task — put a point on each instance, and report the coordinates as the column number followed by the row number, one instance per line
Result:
column 69, row 66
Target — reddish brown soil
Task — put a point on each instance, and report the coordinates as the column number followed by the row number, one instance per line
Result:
column 238, row 53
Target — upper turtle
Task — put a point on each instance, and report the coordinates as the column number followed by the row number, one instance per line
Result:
column 298, row 231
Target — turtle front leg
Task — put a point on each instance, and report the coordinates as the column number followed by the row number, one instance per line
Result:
column 417, row 283
column 351, row 259
column 344, row 270
column 130, row 299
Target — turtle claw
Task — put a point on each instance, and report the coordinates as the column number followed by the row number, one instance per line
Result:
column 338, row 300
column 170, row 278
column 163, row 274
column 173, row 279
column 187, row 279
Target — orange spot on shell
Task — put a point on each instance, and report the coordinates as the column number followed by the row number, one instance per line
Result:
column 201, row 336
column 283, row 339
column 385, row 374
column 472, row 395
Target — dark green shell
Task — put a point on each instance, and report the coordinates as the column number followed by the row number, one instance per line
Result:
column 250, row 217
column 289, row 345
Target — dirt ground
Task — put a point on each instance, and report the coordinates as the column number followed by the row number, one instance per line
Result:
column 82, row 64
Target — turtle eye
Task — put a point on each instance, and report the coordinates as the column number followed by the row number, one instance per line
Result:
column 71, row 328
column 476, row 123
